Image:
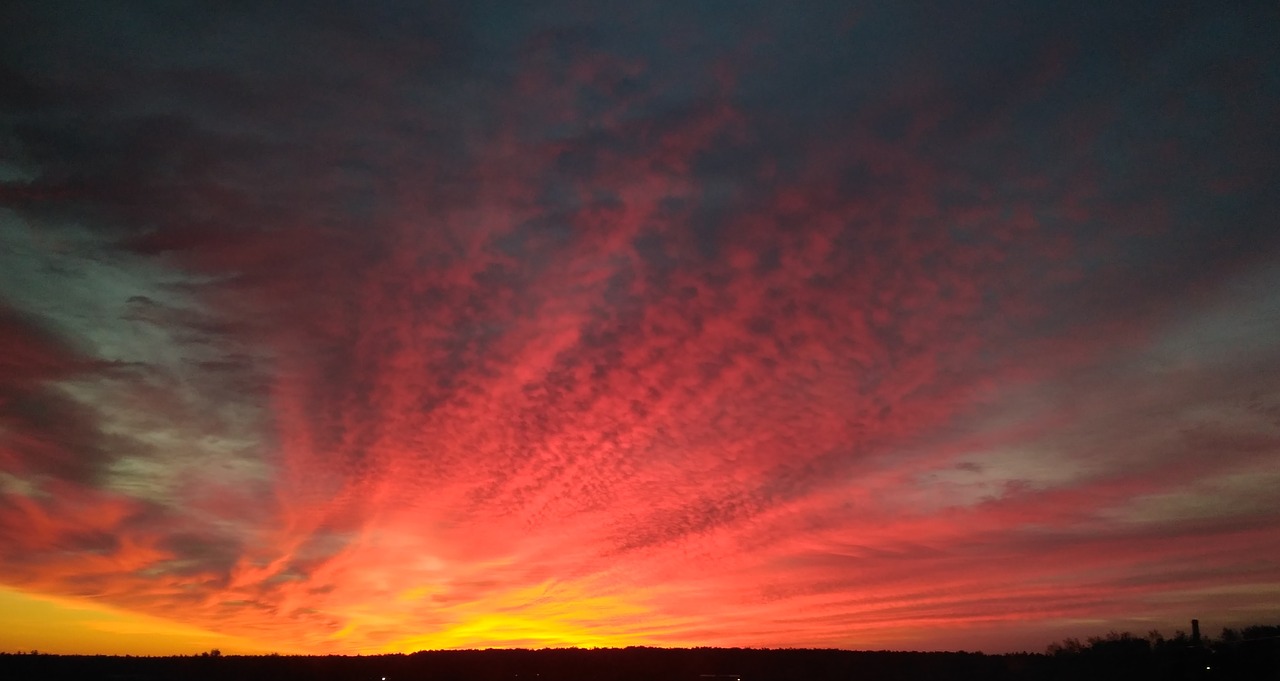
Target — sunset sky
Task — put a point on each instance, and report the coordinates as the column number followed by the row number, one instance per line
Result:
column 379, row 326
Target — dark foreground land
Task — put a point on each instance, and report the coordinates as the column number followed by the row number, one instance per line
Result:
column 1100, row 659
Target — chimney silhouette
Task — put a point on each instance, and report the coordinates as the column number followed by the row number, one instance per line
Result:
column 1195, row 632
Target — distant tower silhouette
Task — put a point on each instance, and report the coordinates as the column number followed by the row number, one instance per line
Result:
column 1195, row 632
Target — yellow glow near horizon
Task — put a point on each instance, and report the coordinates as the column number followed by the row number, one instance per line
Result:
column 70, row 627
column 528, row 618
column 502, row 631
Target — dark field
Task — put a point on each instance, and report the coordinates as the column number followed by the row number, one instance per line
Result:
column 1113, row 658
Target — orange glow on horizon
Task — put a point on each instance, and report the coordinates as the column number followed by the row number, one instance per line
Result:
column 69, row 626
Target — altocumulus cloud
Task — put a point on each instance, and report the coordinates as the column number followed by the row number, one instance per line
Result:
column 383, row 327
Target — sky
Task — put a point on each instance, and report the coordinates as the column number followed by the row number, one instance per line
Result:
column 335, row 327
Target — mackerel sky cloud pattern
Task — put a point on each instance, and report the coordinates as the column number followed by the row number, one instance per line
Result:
column 339, row 328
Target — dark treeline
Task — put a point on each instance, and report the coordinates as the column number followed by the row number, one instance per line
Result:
column 1252, row 653
column 1248, row 653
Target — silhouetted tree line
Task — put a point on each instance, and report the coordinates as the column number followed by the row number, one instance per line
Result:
column 1248, row 654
